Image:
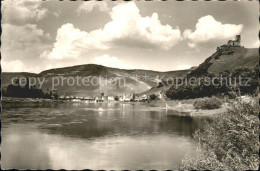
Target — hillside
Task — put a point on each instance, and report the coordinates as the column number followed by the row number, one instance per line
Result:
column 228, row 60
column 146, row 79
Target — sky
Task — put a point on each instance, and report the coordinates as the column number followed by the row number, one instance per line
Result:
column 154, row 35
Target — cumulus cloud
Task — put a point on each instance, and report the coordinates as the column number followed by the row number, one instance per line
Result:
column 256, row 44
column 20, row 37
column 208, row 29
column 183, row 67
column 18, row 12
column 127, row 28
column 114, row 62
column 51, row 66
column 89, row 6
column 22, row 45
column 64, row 46
column 17, row 66
column 22, row 40
column 13, row 66
column 110, row 61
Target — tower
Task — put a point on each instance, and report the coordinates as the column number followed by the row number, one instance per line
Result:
column 238, row 40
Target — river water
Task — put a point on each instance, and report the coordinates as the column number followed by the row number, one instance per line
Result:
column 94, row 136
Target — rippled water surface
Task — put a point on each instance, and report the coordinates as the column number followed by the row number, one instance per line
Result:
column 94, row 136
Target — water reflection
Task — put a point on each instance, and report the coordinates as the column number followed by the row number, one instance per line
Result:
column 95, row 136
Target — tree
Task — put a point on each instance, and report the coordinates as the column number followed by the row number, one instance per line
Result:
column 116, row 98
column 153, row 97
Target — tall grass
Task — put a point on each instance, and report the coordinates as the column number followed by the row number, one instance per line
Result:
column 231, row 141
column 207, row 103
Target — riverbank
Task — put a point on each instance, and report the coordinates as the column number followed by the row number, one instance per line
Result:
column 186, row 108
column 26, row 100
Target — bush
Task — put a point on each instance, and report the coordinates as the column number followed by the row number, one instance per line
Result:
column 230, row 142
column 207, row 103
column 116, row 98
column 153, row 97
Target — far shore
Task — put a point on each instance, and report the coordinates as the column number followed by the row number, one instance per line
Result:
column 26, row 100
column 173, row 107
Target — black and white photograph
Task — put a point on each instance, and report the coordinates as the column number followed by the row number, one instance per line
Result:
column 129, row 85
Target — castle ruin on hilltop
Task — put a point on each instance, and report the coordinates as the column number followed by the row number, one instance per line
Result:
column 235, row 42
column 231, row 44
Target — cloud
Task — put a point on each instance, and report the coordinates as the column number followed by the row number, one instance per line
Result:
column 183, row 67
column 20, row 37
column 208, row 29
column 256, row 44
column 64, row 46
column 22, row 40
column 17, row 66
column 51, row 66
column 19, row 12
column 89, row 6
column 22, row 46
column 57, row 14
column 12, row 66
column 127, row 28
column 114, row 62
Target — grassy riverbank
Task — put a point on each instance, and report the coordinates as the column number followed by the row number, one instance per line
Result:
column 231, row 141
column 186, row 107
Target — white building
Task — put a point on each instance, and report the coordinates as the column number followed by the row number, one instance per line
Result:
column 110, row 98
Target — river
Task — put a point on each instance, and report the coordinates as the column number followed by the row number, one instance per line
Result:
column 94, row 136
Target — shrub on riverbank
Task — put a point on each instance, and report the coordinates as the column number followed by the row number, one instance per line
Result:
column 230, row 142
column 207, row 103
column 153, row 97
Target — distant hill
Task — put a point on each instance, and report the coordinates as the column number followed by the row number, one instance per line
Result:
column 228, row 60
column 146, row 79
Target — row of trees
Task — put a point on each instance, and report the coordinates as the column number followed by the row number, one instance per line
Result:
column 27, row 91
